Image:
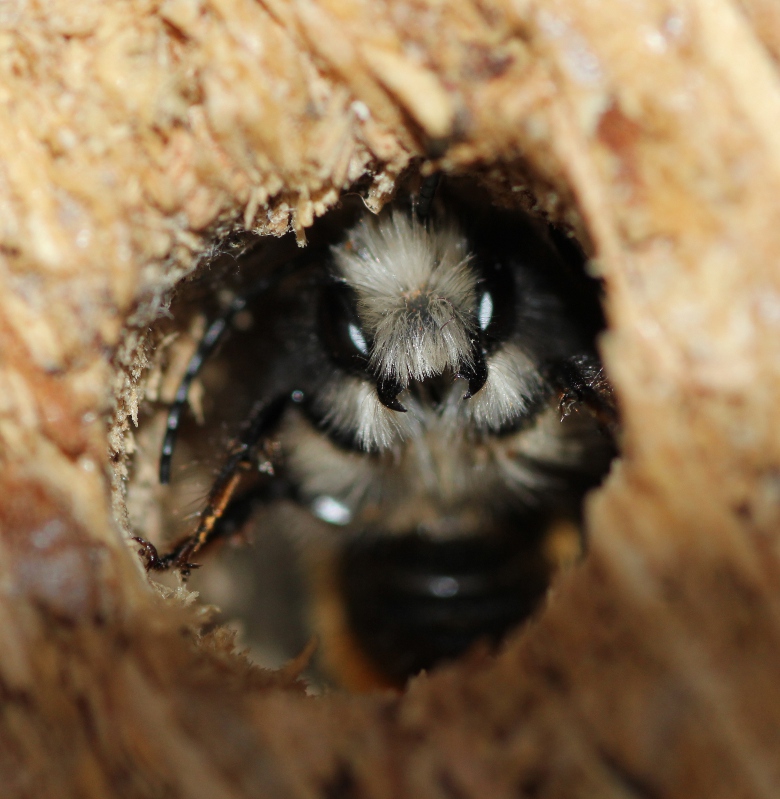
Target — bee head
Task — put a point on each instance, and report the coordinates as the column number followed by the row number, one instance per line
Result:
column 414, row 290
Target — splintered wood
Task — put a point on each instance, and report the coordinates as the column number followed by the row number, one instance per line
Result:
column 135, row 137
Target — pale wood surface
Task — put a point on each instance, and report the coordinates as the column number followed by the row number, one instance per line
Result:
column 132, row 134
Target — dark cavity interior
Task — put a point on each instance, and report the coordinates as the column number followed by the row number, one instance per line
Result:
column 410, row 602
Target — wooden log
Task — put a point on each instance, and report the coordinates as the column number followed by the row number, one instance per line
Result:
column 133, row 136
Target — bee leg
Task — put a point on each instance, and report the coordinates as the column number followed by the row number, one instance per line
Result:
column 581, row 381
column 148, row 552
column 240, row 458
column 211, row 339
column 213, row 336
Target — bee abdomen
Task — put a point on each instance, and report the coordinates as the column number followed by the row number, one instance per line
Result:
column 414, row 602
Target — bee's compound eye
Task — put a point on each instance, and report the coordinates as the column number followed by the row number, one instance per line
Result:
column 485, row 312
column 340, row 329
column 496, row 305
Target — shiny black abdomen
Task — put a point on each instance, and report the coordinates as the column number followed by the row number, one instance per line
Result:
column 413, row 602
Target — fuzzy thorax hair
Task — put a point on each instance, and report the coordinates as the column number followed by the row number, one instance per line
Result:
column 416, row 289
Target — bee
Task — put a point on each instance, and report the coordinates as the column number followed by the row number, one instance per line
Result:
column 428, row 404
